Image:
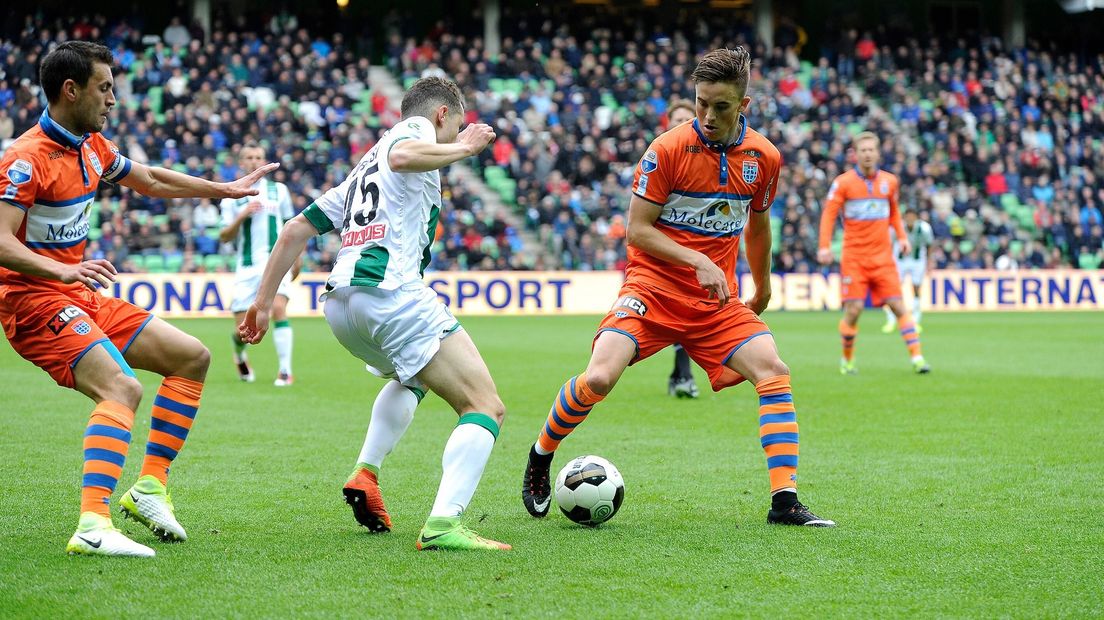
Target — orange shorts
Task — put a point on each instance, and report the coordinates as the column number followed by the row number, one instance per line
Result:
column 710, row 335
column 883, row 282
column 54, row 329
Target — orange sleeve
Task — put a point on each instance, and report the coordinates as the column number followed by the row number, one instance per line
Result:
column 20, row 174
column 895, row 211
column 653, row 177
column 766, row 193
column 832, row 206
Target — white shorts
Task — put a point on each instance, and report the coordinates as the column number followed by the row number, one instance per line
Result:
column 395, row 332
column 246, row 284
column 912, row 270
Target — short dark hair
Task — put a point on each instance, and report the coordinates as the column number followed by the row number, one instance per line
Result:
column 724, row 65
column 72, row 60
column 428, row 93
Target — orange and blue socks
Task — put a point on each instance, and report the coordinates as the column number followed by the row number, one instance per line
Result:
column 909, row 335
column 570, row 408
column 778, row 431
column 847, row 339
column 106, row 440
column 174, row 410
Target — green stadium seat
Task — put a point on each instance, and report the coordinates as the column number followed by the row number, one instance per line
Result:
column 94, row 233
column 155, row 98
column 1009, row 201
column 213, row 262
column 174, row 263
column 1088, row 261
column 493, row 173
column 1015, row 246
column 158, row 220
column 965, row 246
column 497, row 85
column 155, row 263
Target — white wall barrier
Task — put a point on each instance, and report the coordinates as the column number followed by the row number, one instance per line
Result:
column 580, row 292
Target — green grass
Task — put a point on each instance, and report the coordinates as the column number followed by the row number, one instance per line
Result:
column 974, row 491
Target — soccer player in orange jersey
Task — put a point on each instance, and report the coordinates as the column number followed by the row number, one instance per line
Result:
column 53, row 316
column 866, row 198
column 695, row 189
column 681, row 383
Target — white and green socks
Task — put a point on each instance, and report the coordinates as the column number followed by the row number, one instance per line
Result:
column 281, row 337
column 465, row 456
column 392, row 413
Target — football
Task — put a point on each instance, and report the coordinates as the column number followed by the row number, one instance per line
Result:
column 589, row 490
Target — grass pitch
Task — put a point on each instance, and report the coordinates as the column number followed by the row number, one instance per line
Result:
column 971, row 492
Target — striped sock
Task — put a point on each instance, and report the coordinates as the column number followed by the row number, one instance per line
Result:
column 569, row 410
column 778, row 431
column 174, row 410
column 909, row 335
column 847, row 338
column 105, row 448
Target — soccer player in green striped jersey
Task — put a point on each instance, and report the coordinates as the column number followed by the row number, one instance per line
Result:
column 382, row 311
column 253, row 224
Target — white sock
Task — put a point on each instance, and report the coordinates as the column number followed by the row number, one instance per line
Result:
column 890, row 317
column 391, row 416
column 281, row 336
column 465, row 456
column 916, row 308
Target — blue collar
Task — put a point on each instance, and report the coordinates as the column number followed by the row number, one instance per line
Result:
column 59, row 134
column 862, row 176
column 717, row 146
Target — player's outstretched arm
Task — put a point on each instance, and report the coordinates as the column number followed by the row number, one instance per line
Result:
column 758, row 250
column 164, row 183
column 642, row 234
column 421, row 156
column 94, row 274
column 291, row 243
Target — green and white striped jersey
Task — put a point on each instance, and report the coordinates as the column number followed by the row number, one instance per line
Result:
column 387, row 219
column 920, row 237
column 258, row 232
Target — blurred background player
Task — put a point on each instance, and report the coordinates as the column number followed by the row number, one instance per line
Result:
column 254, row 223
column 381, row 310
column 866, row 199
column 695, row 189
column 681, row 383
column 912, row 266
column 54, row 318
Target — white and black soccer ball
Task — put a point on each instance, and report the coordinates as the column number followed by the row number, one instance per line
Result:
column 589, row 490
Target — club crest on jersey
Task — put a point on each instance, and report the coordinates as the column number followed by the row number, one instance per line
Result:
column 650, row 162
column 82, row 328
column 61, row 319
column 884, row 187
column 751, row 171
column 20, row 172
column 642, row 184
column 95, row 161
column 620, row 314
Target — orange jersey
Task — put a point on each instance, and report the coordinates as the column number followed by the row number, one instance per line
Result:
column 52, row 175
column 705, row 191
column 869, row 208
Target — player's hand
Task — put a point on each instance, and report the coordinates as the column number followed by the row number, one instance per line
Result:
column 95, row 274
column 760, row 300
column 244, row 186
column 713, row 280
column 476, row 137
column 254, row 326
column 906, row 247
column 824, row 256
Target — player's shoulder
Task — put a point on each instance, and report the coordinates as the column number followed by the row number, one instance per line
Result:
column 763, row 147
column 845, row 178
column 673, row 141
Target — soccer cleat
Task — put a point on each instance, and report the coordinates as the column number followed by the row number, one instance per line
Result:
column 919, row 330
column 362, row 493
column 148, row 503
column 536, row 491
column 798, row 514
column 889, row 327
column 283, row 379
column 245, row 373
column 446, row 533
column 682, row 388
column 96, row 535
column 920, row 367
column 847, row 367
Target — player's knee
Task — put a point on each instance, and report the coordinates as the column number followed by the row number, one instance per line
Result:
column 600, row 380
column 195, row 361
column 125, row 389
column 496, row 409
column 777, row 367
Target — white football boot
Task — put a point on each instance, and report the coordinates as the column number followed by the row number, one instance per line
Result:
column 96, row 536
column 148, row 503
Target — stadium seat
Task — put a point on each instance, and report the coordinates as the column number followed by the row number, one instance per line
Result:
column 155, row 99
column 155, row 263
column 965, row 246
column 213, row 262
column 173, row 263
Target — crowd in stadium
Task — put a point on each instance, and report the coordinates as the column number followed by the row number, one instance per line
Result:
column 1000, row 150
